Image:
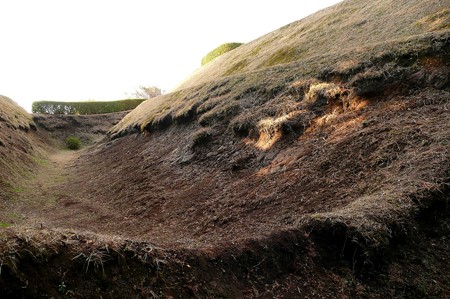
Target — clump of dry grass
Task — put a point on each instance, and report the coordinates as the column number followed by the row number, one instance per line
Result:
column 92, row 250
column 96, row 257
column 202, row 136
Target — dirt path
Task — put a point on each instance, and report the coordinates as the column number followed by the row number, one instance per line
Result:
column 41, row 191
column 57, row 196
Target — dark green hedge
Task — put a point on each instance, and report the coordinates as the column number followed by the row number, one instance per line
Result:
column 84, row 108
column 220, row 50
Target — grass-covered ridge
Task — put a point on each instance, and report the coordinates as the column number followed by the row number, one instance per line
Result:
column 18, row 149
column 264, row 93
column 219, row 51
column 349, row 25
column 84, row 108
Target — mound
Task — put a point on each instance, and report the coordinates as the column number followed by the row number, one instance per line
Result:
column 348, row 26
column 312, row 161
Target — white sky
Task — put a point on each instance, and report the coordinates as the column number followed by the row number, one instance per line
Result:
column 105, row 49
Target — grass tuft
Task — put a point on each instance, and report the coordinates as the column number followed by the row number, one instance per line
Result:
column 202, row 136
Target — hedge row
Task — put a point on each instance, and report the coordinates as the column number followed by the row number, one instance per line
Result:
column 220, row 50
column 84, row 108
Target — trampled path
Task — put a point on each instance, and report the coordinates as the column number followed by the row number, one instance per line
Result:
column 57, row 195
column 40, row 192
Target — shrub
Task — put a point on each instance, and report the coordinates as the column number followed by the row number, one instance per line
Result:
column 220, row 50
column 73, row 143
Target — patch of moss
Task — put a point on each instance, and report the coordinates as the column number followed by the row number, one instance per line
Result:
column 235, row 68
column 40, row 161
column 18, row 189
column 4, row 224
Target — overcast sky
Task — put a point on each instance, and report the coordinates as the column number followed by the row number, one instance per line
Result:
column 105, row 50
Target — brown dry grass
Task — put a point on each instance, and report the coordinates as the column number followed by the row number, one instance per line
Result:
column 261, row 94
column 349, row 25
column 339, row 41
column 17, row 152
column 14, row 115
column 306, row 77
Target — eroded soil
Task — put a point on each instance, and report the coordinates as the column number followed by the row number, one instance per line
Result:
column 160, row 188
column 238, row 206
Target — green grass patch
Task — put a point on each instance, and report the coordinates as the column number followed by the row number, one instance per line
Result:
column 285, row 55
column 18, row 189
column 40, row 161
column 236, row 68
column 4, row 224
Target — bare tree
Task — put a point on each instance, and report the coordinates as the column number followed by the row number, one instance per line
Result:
column 149, row 92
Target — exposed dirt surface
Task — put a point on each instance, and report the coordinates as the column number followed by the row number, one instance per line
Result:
column 228, row 218
column 46, row 186
column 173, row 193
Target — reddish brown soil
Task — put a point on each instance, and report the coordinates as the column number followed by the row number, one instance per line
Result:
column 352, row 202
column 160, row 189
column 225, row 218
column 348, row 200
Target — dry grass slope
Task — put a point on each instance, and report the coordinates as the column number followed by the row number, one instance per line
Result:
column 13, row 115
column 20, row 149
column 349, row 25
column 345, row 39
column 335, row 88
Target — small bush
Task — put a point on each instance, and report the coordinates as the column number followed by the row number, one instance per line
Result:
column 220, row 50
column 73, row 143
